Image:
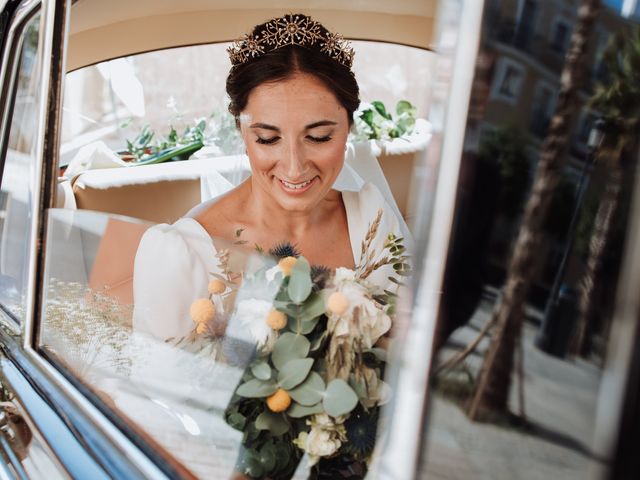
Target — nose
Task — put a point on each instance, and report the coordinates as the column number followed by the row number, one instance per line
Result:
column 294, row 161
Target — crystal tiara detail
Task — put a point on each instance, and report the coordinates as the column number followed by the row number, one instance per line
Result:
column 291, row 29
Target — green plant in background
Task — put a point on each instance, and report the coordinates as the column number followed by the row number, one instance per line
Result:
column 218, row 132
column 375, row 122
column 146, row 151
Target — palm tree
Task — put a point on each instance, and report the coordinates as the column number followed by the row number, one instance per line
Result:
column 492, row 391
column 618, row 102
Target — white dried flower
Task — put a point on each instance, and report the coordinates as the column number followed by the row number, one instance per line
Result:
column 251, row 315
column 323, row 440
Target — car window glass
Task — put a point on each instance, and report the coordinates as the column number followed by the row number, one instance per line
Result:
column 172, row 385
column 531, row 301
column 16, row 193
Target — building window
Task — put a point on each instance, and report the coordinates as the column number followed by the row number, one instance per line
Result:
column 544, row 102
column 508, row 80
column 560, row 33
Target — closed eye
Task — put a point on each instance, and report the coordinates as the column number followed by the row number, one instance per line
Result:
column 267, row 141
column 326, row 138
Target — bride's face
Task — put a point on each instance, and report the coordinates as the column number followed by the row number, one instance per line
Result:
column 295, row 133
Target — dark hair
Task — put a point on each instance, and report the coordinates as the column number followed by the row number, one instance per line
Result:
column 281, row 63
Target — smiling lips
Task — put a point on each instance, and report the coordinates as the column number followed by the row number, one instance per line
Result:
column 296, row 187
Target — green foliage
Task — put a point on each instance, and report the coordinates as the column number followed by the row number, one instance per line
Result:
column 339, row 398
column 294, row 372
column 310, row 392
column 261, row 370
column 377, row 123
column 289, row 347
column 296, row 362
column 171, row 147
column 276, row 423
column 618, row 98
column 256, row 388
column 300, row 281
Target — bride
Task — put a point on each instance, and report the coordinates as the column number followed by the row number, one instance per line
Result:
column 293, row 101
column 293, row 95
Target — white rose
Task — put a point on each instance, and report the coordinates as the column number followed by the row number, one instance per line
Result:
column 321, row 444
column 251, row 315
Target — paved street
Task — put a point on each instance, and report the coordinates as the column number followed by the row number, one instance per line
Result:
column 560, row 406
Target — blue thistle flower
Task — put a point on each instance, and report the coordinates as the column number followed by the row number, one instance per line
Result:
column 284, row 249
column 361, row 430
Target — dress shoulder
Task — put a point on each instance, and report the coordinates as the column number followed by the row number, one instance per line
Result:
column 171, row 271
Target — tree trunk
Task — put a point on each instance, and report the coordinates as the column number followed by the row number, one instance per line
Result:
column 597, row 247
column 492, row 391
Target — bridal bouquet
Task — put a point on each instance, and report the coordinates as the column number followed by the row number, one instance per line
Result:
column 315, row 382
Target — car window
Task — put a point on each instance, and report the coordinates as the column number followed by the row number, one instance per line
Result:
column 16, row 193
column 533, row 303
column 176, row 386
column 117, row 101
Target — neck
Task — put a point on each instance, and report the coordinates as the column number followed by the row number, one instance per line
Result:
column 291, row 225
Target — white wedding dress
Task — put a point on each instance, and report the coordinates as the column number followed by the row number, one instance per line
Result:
column 174, row 262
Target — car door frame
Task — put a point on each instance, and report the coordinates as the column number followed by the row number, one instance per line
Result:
column 79, row 436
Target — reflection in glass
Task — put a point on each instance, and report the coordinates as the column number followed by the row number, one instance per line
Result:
column 529, row 299
column 16, row 195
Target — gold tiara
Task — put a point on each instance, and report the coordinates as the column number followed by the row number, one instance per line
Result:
column 291, row 29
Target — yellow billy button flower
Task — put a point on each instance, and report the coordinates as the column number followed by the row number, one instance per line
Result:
column 201, row 328
column 338, row 303
column 216, row 286
column 286, row 264
column 202, row 310
column 279, row 401
column 276, row 320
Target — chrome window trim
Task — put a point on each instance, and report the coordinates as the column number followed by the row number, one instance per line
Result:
column 150, row 469
column 37, row 214
column 8, row 72
column 448, row 114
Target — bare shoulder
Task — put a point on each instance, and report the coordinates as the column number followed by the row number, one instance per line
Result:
column 221, row 216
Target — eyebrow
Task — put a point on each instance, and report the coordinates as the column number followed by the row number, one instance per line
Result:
column 266, row 126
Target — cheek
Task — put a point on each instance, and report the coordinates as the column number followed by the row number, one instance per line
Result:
column 332, row 156
column 261, row 159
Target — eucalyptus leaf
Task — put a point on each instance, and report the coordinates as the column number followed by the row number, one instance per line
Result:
column 252, row 466
column 310, row 391
column 307, row 326
column 339, row 398
column 288, row 347
column 300, row 284
column 267, row 456
column 261, row 370
column 256, row 389
column 294, row 372
column 274, row 422
column 298, row 411
column 237, row 420
column 312, row 308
